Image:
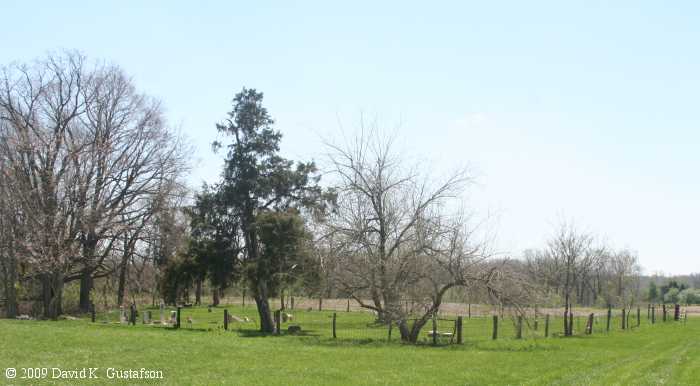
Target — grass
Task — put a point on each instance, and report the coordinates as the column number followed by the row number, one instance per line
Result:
column 665, row 353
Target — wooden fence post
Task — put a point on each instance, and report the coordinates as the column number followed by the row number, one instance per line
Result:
column 653, row 314
column 648, row 311
column 348, row 308
column 571, row 323
column 225, row 319
column 589, row 324
column 519, row 331
column 677, row 312
column 132, row 317
column 495, row 327
column 459, row 330
column 607, row 327
column 390, row 328
column 92, row 312
column 177, row 319
column 639, row 317
column 623, row 318
column 546, row 326
column 334, row 316
column 320, row 303
column 469, row 311
column 664, row 311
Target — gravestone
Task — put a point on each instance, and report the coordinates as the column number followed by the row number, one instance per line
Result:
column 122, row 315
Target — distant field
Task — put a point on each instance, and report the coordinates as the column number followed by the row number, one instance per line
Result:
column 664, row 353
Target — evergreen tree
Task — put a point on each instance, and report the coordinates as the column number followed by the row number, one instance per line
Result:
column 653, row 292
column 257, row 179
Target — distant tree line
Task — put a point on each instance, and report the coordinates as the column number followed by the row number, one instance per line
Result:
column 673, row 291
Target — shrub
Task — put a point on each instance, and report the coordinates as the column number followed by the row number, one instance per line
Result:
column 672, row 295
column 689, row 296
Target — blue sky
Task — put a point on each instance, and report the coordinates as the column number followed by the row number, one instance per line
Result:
column 582, row 110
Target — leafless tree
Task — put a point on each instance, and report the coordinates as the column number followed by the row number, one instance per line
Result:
column 10, row 218
column 83, row 154
column 582, row 271
column 396, row 239
column 131, row 157
column 40, row 106
column 572, row 256
column 624, row 277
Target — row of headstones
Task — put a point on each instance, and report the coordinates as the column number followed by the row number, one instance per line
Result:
column 130, row 315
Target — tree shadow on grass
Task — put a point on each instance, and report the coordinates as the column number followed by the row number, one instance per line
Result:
column 284, row 334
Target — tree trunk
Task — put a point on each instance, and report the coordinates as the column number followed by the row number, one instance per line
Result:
column 410, row 334
column 10, row 272
column 404, row 331
column 86, row 284
column 52, row 286
column 198, row 293
column 215, row 297
column 86, row 280
column 566, row 316
column 267, row 325
column 121, row 286
column 379, row 307
column 45, row 294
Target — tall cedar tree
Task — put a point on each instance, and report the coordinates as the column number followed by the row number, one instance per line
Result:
column 257, row 179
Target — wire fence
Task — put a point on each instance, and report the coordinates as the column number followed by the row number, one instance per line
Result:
column 364, row 326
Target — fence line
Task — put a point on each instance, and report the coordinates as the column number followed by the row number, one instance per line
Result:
column 363, row 326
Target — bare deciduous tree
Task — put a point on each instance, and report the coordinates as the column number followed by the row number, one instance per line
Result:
column 82, row 154
column 397, row 242
column 130, row 158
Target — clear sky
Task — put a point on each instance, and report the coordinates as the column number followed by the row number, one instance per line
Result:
column 582, row 110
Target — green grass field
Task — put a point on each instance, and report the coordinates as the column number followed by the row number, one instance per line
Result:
column 665, row 353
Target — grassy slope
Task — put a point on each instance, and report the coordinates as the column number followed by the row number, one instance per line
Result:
column 660, row 354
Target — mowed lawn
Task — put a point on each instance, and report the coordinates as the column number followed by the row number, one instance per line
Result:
column 665, row 353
